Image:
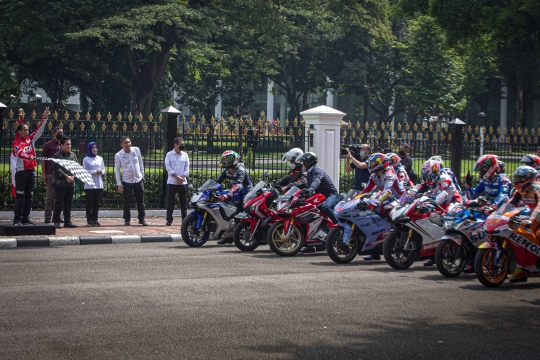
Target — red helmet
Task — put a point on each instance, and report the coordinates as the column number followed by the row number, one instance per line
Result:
column 532, row 161
column 487, row 165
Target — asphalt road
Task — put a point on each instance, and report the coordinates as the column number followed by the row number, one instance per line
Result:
column 165, row 300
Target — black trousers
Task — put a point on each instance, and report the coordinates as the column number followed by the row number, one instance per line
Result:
column 93, row 196
column 172, row 190
column 129, row 189
column 62, row 201
column 24, row 183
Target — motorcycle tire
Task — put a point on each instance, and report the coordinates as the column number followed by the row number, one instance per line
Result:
column 489, row 274
column 280, row 244
column 188, row 230
column 445, row 258
column 241, row 237
column 392, row 243
column 341, row 253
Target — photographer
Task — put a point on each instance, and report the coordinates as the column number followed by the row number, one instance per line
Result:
column 357, row 159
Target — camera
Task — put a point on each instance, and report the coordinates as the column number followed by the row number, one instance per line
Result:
column 354, row 149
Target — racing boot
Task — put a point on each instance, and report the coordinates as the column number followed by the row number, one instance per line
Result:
column 225, row 241
column 428, row 262
column 372, row 257
column 518, row 276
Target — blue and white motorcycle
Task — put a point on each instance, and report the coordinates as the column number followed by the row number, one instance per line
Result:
column 212, row 219
column 361, row 230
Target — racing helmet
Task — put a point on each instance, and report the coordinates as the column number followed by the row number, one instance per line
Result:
column 523, row 176
column 502, row 167
column 487, row 165
column 229, row 158
column 532, row 161
column 309, row 159
column 292, row 155
column 431, row 170
column 438, row 159
column 377, row 162
column 393, row 159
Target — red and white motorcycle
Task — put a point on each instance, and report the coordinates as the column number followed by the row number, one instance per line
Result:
column 417, row 231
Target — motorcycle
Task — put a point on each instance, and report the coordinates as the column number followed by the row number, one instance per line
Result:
column 417, row 231
column 253, row 224
column 361, row 231
column 510, row 246
column 301, row 223
column 464, row 232
column 212, row 219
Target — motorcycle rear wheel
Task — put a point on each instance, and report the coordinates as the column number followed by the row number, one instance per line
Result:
column 338, row 251
column 490, row 275
column 241, row 237
column 449, row 263
column 283, row 245
column 395, row 255
column 191, row 236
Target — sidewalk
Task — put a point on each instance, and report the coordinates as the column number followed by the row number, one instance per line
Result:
column 111, row 231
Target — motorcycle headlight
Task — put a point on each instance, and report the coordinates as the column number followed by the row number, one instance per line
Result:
column 249, row 209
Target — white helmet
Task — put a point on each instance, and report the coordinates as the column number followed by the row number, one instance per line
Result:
column 292, row 155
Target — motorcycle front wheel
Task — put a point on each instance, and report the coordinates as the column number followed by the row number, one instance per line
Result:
column 490, row 274
column 282, row 244
column 191, row 235
column 451, row 258
column 241, row 237
column 338, row 251
column 395, row 253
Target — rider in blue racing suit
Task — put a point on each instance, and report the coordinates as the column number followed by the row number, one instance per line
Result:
column 496, row 186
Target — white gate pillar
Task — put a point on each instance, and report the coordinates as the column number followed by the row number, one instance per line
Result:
column 323, row 122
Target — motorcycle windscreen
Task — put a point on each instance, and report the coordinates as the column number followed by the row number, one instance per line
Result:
column 253, row 192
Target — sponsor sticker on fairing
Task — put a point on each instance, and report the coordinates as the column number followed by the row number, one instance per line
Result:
column 524, row 243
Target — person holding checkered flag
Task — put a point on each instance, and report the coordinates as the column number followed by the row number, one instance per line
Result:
column 64, row 185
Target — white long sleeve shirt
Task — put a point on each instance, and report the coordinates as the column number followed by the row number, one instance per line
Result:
column 131, row 164
column 176, row 164
column 92, row 164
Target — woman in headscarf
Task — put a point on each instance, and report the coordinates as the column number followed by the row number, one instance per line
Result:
column 94, row 164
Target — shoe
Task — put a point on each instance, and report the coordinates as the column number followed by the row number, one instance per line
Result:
column 143, row 223
column 47, row 220
column 17, row 223
column 28, row 222
column 57, row 225
column 61, row 221
column 308, row 249
column 127, row 223
column 96, row 223
column 70, row 225
column 169, row 223
column 372, row 257
column 225, row 241
column 90, row 223
column 428, row 262
column 468, row 269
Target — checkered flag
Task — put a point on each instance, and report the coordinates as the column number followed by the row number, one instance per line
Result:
column 74, row 168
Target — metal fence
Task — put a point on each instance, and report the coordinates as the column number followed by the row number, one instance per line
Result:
column 260, row 143
column 458, row 145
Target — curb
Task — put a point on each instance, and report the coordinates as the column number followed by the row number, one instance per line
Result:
column 11, row 243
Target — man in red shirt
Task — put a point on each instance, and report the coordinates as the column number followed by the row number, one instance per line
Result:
column 50, row 148
column 25, row 162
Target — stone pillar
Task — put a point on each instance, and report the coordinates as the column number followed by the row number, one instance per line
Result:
column 270, row 101
column 323, row 122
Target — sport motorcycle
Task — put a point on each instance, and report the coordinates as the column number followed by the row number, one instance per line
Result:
column 301, row 223
column 512, row 248
column 212, row 219
column 362, row 230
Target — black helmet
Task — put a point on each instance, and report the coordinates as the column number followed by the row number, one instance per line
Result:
column 309, row 159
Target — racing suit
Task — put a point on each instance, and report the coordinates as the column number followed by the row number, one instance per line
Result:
column 444, row 191
column 496, row 189
column 238, row 180
column 22, row 151
column 402, row 176
column 387, row 181
column 296, row 177
column 531, row 197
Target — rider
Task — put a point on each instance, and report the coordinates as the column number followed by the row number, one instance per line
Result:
column 296, row 176
column 447, row 171
column 495, row 185
column 528, row 192
column 395, row 161
column 234, row 171
column 532, row 161
column 384, row 178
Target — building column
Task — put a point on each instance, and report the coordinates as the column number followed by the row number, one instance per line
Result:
column 329, row 98
column 218, row 110
column 504, row 109
column 270, row 102
column 282, row 111
column 323, row 122
column 536, row 115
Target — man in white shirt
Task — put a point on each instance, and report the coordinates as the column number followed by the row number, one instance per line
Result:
column 129, row 160
column 177, row 165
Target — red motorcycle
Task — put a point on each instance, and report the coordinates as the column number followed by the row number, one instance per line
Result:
column 301, row 223
column 253, row 224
